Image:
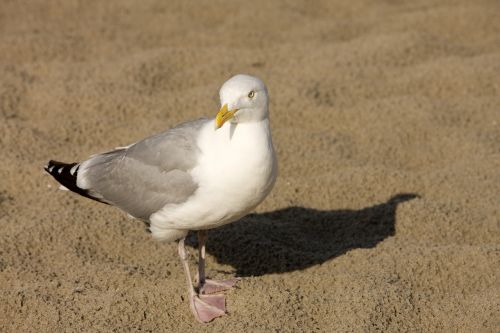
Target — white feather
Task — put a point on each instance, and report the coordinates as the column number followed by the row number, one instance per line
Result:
column 73, row 169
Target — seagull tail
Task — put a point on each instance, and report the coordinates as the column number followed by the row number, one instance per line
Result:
column 66, row 174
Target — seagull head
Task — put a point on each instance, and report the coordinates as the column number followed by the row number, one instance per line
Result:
column 243, row 98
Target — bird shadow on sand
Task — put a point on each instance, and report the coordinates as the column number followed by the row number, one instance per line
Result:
column 295, row 238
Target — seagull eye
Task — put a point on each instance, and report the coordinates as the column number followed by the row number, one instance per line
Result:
column 251, row 94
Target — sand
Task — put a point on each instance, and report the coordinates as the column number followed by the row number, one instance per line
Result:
column 386, row 121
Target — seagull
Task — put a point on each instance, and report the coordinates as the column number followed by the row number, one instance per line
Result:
column 199, row 175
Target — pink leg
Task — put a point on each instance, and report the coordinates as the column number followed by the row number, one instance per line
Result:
column 204, row 307
column 207, row 286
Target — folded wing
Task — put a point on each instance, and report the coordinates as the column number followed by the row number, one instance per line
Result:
column 144, row 177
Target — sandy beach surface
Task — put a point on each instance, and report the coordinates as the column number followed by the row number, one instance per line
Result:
column 386, row 121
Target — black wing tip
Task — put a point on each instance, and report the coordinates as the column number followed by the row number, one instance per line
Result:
column 63, row 172
column 48, row 166
column 56, row 165
column 67, row 176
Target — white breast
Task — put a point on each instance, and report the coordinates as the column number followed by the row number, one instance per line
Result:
column 236, row 171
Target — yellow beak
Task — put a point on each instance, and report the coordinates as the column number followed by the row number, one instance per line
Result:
column 223, row 116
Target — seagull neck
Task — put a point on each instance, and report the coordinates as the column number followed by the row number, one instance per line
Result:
column 254, row 129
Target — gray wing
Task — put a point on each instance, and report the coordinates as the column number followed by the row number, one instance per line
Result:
column 144, row 177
